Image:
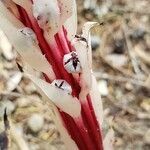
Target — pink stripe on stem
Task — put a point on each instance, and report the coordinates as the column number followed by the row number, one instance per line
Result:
column 92, row 125
column 74, row 132
column 67, row 40
column 85, row 134
column 63, row 42
column 95, row 121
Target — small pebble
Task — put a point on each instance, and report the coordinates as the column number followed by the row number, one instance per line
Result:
column 102, row 87
column 103, row 10
column 47, row 146
column 95, row 42
column 9, row 65
column 10, row 106
column 117, row 60
column 6, row 47
column 19, row 129
column 13, row 81
column 145, row 104
column 22, row 102
column 30, row 88
column 129, row 86
column 35, row 123
column 118, row 142
column 147, row 137
column 89, row 5
column 53, row 148
column 34, row 147
column 1, row 84
column 119, row 46
column 138, row 34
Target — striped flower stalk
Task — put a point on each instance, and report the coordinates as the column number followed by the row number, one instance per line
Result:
column 43, row 32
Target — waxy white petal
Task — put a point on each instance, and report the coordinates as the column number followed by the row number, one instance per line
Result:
column 66, row 8
column 69, row 17
column 29, row 51
column 86, row 34
column 96, row 101
column 87, row 27
column 81, row 48
column 59, row 97
column 109, row 140
column 66, row 138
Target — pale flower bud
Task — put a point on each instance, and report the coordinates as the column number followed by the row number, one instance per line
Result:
column 72, row 63
column 47, row 14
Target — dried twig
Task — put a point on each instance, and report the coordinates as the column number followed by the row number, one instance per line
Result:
column 18, row 138
column 125, row 127
column 144, row 56
column 117, row 78
column 101, row 55
column 128, row 10
column 8, row 93
column 129, row 49
column 139, row 115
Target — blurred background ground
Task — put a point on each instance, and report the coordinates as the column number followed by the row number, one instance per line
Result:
column 121, row 63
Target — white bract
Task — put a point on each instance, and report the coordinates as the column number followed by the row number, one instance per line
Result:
column 82, row 46
column 30, row 52
column 71, row 23
column 59, row 97
column 69, row 143
column 109, row 140
column 96, row 101
column 66, row 9
column 47, row 14
column 86, row 34
column 29, row 34
column 85, row 77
